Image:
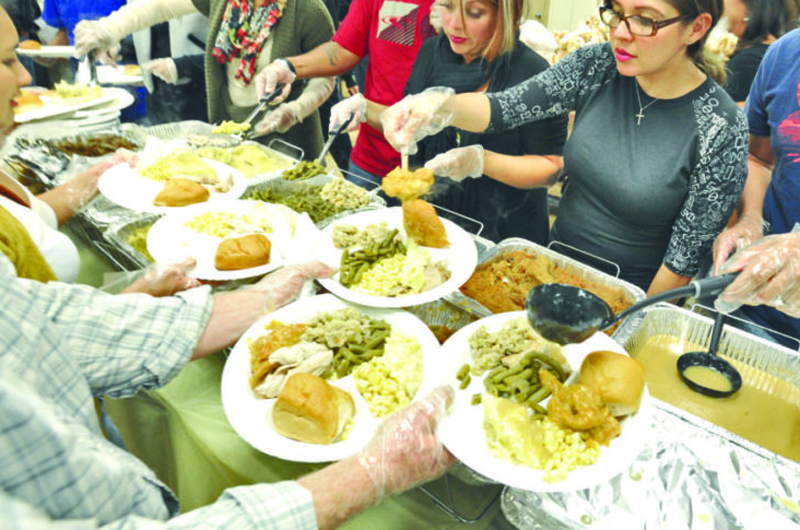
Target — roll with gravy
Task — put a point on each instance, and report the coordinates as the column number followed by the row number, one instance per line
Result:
column 618, row 378
column 242, row 252
column 310, row 410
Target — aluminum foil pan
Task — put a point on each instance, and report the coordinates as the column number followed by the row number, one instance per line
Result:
column 180, row 129
column 101, row 212
column 630, row 291
column 283, row 187
column 691, row 474
column 117, row 236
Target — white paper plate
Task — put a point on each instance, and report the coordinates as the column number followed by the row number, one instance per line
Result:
column 170, row 241
column 62, row 52
column 251, row 417
column 461, row 256
column 122, row 185
column 53, row 107
column 120, row 99
column 110, row 74
column 463, row 434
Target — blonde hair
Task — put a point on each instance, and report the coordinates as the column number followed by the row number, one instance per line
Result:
column 509, row 16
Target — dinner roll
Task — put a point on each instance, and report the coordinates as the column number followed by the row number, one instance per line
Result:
column 618, row 378
column 181, row 192
column 243, row 252
column 30, row 45
column 310, row 410
column 27, row 102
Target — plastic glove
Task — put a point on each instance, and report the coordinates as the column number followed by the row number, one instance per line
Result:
column 280, row 119
column 458, row 163
column 162, row 68
column 341, row 112
column 417, row 116
column 284, row 285
column 770, row 275
column 405, row 452
column 436, row 16
column 92, row 35
column 165, row 280
column 747, row 230
column 275, row 73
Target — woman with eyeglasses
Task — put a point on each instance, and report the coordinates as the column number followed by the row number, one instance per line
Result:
column 757, row 24
column 657, row 157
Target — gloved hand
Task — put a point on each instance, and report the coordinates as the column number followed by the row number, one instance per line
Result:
column 458, row 163
column 165, row 280
column 275, row 73
column 341, row 112
column 162, row 68
column 280, row 119
column 92, row 35
column 417, row 116
column 405, row 452
column 770, row 275
column 747, row 230
column 284, row 285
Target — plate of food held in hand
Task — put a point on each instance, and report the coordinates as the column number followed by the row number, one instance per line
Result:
column 397, row 257
column 312, row 381
column 538, row 416
column 171, row 181
column 230, row 240
column 38, row 103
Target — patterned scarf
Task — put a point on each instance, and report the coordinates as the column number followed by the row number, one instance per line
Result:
column 243, row 33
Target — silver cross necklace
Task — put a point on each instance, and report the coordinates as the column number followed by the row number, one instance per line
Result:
column 641, row 108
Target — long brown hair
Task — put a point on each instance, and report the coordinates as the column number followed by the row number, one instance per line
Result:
column 509, row 16
column 702, row 58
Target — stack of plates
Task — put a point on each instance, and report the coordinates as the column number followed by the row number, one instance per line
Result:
column 94, row 120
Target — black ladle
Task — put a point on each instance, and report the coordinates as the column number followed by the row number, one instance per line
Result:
column 566, row 314
column 711, row 361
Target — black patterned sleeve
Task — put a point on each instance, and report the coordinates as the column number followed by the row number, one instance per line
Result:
column 714, row 186
column 554, row 92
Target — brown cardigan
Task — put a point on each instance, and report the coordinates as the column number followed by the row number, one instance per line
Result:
column 305, row 25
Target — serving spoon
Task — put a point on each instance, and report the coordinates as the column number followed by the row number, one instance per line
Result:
column 566, row 314
column 710, row 361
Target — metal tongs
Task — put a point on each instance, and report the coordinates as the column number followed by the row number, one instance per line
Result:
column 332, row 134
column 262, row 104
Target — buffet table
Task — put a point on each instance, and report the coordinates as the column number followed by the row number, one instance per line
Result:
column 686, row 473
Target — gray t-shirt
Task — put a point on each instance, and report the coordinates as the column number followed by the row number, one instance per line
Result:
column 638, row 194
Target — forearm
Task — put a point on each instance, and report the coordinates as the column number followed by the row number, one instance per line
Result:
column 60, row 39
column 142, row 14
column 374, row 111
column 353, row 492
column 326, row 60
column 525, row 171
column 316, row 92
column 751, row 203
column 231, row 315
column 67, row 199
column 472, row 111
column 665, row 280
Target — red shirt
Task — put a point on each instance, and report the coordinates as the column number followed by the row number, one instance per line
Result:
column 390, row 32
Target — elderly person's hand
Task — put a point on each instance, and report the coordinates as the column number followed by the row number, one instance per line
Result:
column 268, row 79
column 770, row 275
column 91, row 35
column 165, row 280
column 417, row 116
column 458, row 163
column 355, row 106
column 406, row 452
column 747, row 230
column 284, row 285
column 280, row 119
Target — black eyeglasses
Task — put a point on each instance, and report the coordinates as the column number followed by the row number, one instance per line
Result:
column 642, row 26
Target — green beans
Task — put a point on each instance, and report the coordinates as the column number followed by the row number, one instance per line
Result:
column 352, row 352
column 306, row 199
column 304, row 170
column 520, row 382
column 353, row 265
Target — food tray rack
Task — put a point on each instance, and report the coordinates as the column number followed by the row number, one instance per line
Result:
column 631, row 292
column 690, row 472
